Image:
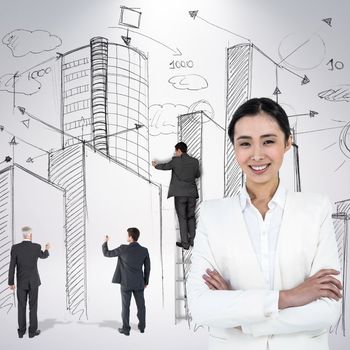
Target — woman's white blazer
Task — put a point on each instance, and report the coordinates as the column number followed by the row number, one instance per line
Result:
column 236, row 318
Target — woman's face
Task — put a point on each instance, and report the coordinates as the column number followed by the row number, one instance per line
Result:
column 259, row 146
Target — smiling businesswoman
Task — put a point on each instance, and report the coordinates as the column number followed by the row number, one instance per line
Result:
column 265, row 265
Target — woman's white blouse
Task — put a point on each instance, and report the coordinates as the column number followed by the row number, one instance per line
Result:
column 263, row 234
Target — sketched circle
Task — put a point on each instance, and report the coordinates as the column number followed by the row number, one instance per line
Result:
column 300, row 52
column 40, row 73
column 344, row 140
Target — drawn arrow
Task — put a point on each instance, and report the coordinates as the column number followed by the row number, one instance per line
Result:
column 13, row 141
column 328, row 21
column 277, row 91
column 6, row 160
column 21, row 109
column 15, row 138
column 137, row 126
column 126, row 38
column 31, row 159
column 59, row 55
column 82, row 126
column 176, row 52
column 194, row 15
column 26, row 123
column 310, row 114
column 31, row 116
column 305, row 80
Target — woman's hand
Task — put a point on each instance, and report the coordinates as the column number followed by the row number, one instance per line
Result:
column 215, row 281
column 320, row 285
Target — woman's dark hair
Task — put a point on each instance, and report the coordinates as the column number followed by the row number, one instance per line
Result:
column 134, row 233
column 255, row 106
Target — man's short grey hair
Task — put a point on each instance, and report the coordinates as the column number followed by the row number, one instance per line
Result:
column 26, row 230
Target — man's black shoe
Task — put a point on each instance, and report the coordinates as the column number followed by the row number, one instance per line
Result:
column 20, row 333
column 32, row 335
column 123, row 331
column 183, row 245
column 179, row 244
column 142, row 330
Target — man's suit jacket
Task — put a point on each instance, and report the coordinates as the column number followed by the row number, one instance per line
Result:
column 25, row 256
column 236, row 318
column 131, row 259
column 184, row 171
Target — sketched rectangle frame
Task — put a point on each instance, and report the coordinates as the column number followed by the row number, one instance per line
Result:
column 122, row 20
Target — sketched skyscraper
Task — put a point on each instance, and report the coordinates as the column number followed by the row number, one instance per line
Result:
column 6, row 234
column 104, row 95
column 238, row 68
column 341, row 219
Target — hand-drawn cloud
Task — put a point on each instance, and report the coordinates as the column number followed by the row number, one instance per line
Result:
column 163, row 118
column 20, row 84
column 188, row 82
column 21, row 42
column 338, row 94
column 204, row 106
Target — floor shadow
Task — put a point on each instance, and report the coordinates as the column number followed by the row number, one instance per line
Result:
column 50, row 323
column 114, row 324
column 110, row 324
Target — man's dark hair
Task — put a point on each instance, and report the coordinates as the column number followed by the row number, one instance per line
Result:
column 181, row 146
column 255, row 106
column 134, row 233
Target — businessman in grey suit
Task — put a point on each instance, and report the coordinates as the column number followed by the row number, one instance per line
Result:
column 183, row 187
column 132, row 273
column 24, row 257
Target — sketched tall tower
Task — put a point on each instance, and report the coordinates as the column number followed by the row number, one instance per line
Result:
column 104, row 90
column 104, row 94
column 341, row 219
column 239, row 65
column 6, row 234
column 190, row 131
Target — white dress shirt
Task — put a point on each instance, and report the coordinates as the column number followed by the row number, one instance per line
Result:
column 263, row 234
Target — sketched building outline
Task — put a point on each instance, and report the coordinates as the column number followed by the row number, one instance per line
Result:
column 67, row 170
column 7, row 226
column 239, row 66
column 104, row 89
column 341, row 219
column 190, row 131
column 238, row 79
column 6, row 235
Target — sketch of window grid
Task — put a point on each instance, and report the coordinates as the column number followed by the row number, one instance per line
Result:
column 67, row 170
column 104, row 90
column 190, row 131
column 238, row 75
column 341, row 225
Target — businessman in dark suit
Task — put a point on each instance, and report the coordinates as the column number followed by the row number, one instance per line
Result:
column 184, row 172
column 132, row 273
column 24, row 257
